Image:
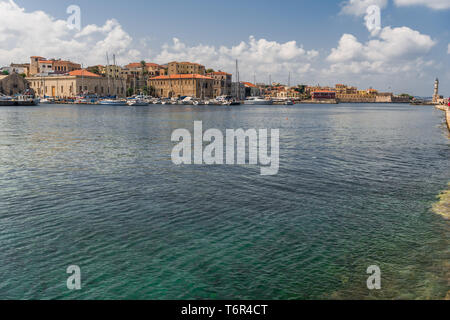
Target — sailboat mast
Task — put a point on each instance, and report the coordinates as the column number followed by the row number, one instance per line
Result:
column 107, row 72
column 114, row 74
column 238, row 93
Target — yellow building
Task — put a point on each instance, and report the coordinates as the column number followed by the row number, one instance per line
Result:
column 180, row 85
column 76, row 83
column 222, row 83
column 186, row 68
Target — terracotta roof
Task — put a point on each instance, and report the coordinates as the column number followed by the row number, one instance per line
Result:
column 182, row 76
column 220, row 73
column 248, row 84
column 186, row 62
column 83, row 73
column 45, row 61
column 138, row 65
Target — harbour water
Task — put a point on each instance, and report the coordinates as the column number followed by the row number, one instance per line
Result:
column 95, row 187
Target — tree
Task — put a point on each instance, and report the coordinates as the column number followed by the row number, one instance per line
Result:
column 209, row 70
column 130, row 92
column 5, row 72
column 143, row 66
column 94, row 69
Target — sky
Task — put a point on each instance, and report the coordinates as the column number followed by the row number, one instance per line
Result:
column 316, row 42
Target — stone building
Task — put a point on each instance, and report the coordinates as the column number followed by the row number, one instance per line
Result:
column 222, row 83
column 186, row 68
column 251, row 90
column 12, row 84
column 180, row 85
column 41, row 65
column 76, row 83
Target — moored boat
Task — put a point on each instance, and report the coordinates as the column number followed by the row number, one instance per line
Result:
column 257, row 101
column 112, row 102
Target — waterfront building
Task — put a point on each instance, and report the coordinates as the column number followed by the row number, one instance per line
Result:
column 323, row 95
column 238, row 90
column 222, row 83
column 40, row 65
column 251, row 90
column 19, row 68
column 181, row 85
column 384, row 97
column 186, row 68
column 150, row 69
column 76, row 83
column 12, row 84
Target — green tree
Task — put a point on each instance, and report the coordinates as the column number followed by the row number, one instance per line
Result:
column 5, row 72
column 130, row 92
column 209, row 70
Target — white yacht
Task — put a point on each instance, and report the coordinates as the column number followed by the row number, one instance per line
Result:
column 258, row 101
column 112, row 102
column 137, row 101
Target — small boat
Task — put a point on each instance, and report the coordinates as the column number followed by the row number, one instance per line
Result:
column 188, row 101
column 48, row 100
column 138, row 101
column 112, row 102
column 257, row 101
column 86, row 99
column 19, row 100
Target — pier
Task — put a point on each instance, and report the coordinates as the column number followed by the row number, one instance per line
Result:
column 446, row 109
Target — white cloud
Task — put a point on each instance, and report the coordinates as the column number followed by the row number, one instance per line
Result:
column 257, row 56
column 433, row 4
column 23, row 34
column 359, row 7
column 395, row 50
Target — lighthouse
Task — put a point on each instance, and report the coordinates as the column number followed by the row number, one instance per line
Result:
column 436, row 91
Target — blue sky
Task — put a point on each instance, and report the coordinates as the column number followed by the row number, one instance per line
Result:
column 315, row 26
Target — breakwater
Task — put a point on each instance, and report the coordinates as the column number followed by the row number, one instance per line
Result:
column 446, row 109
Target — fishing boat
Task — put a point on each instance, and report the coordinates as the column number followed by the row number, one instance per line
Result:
column 19, row 100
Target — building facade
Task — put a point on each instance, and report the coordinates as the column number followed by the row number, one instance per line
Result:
column 12, row 84
column 222, row 83
column 238, row 90
column 323, row 95
column 76, row 83
column 186, row 68
column 41, row 65
column 251, row 90
column 180, row 85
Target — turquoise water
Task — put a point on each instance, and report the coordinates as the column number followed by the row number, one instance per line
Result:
column 95, row 187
